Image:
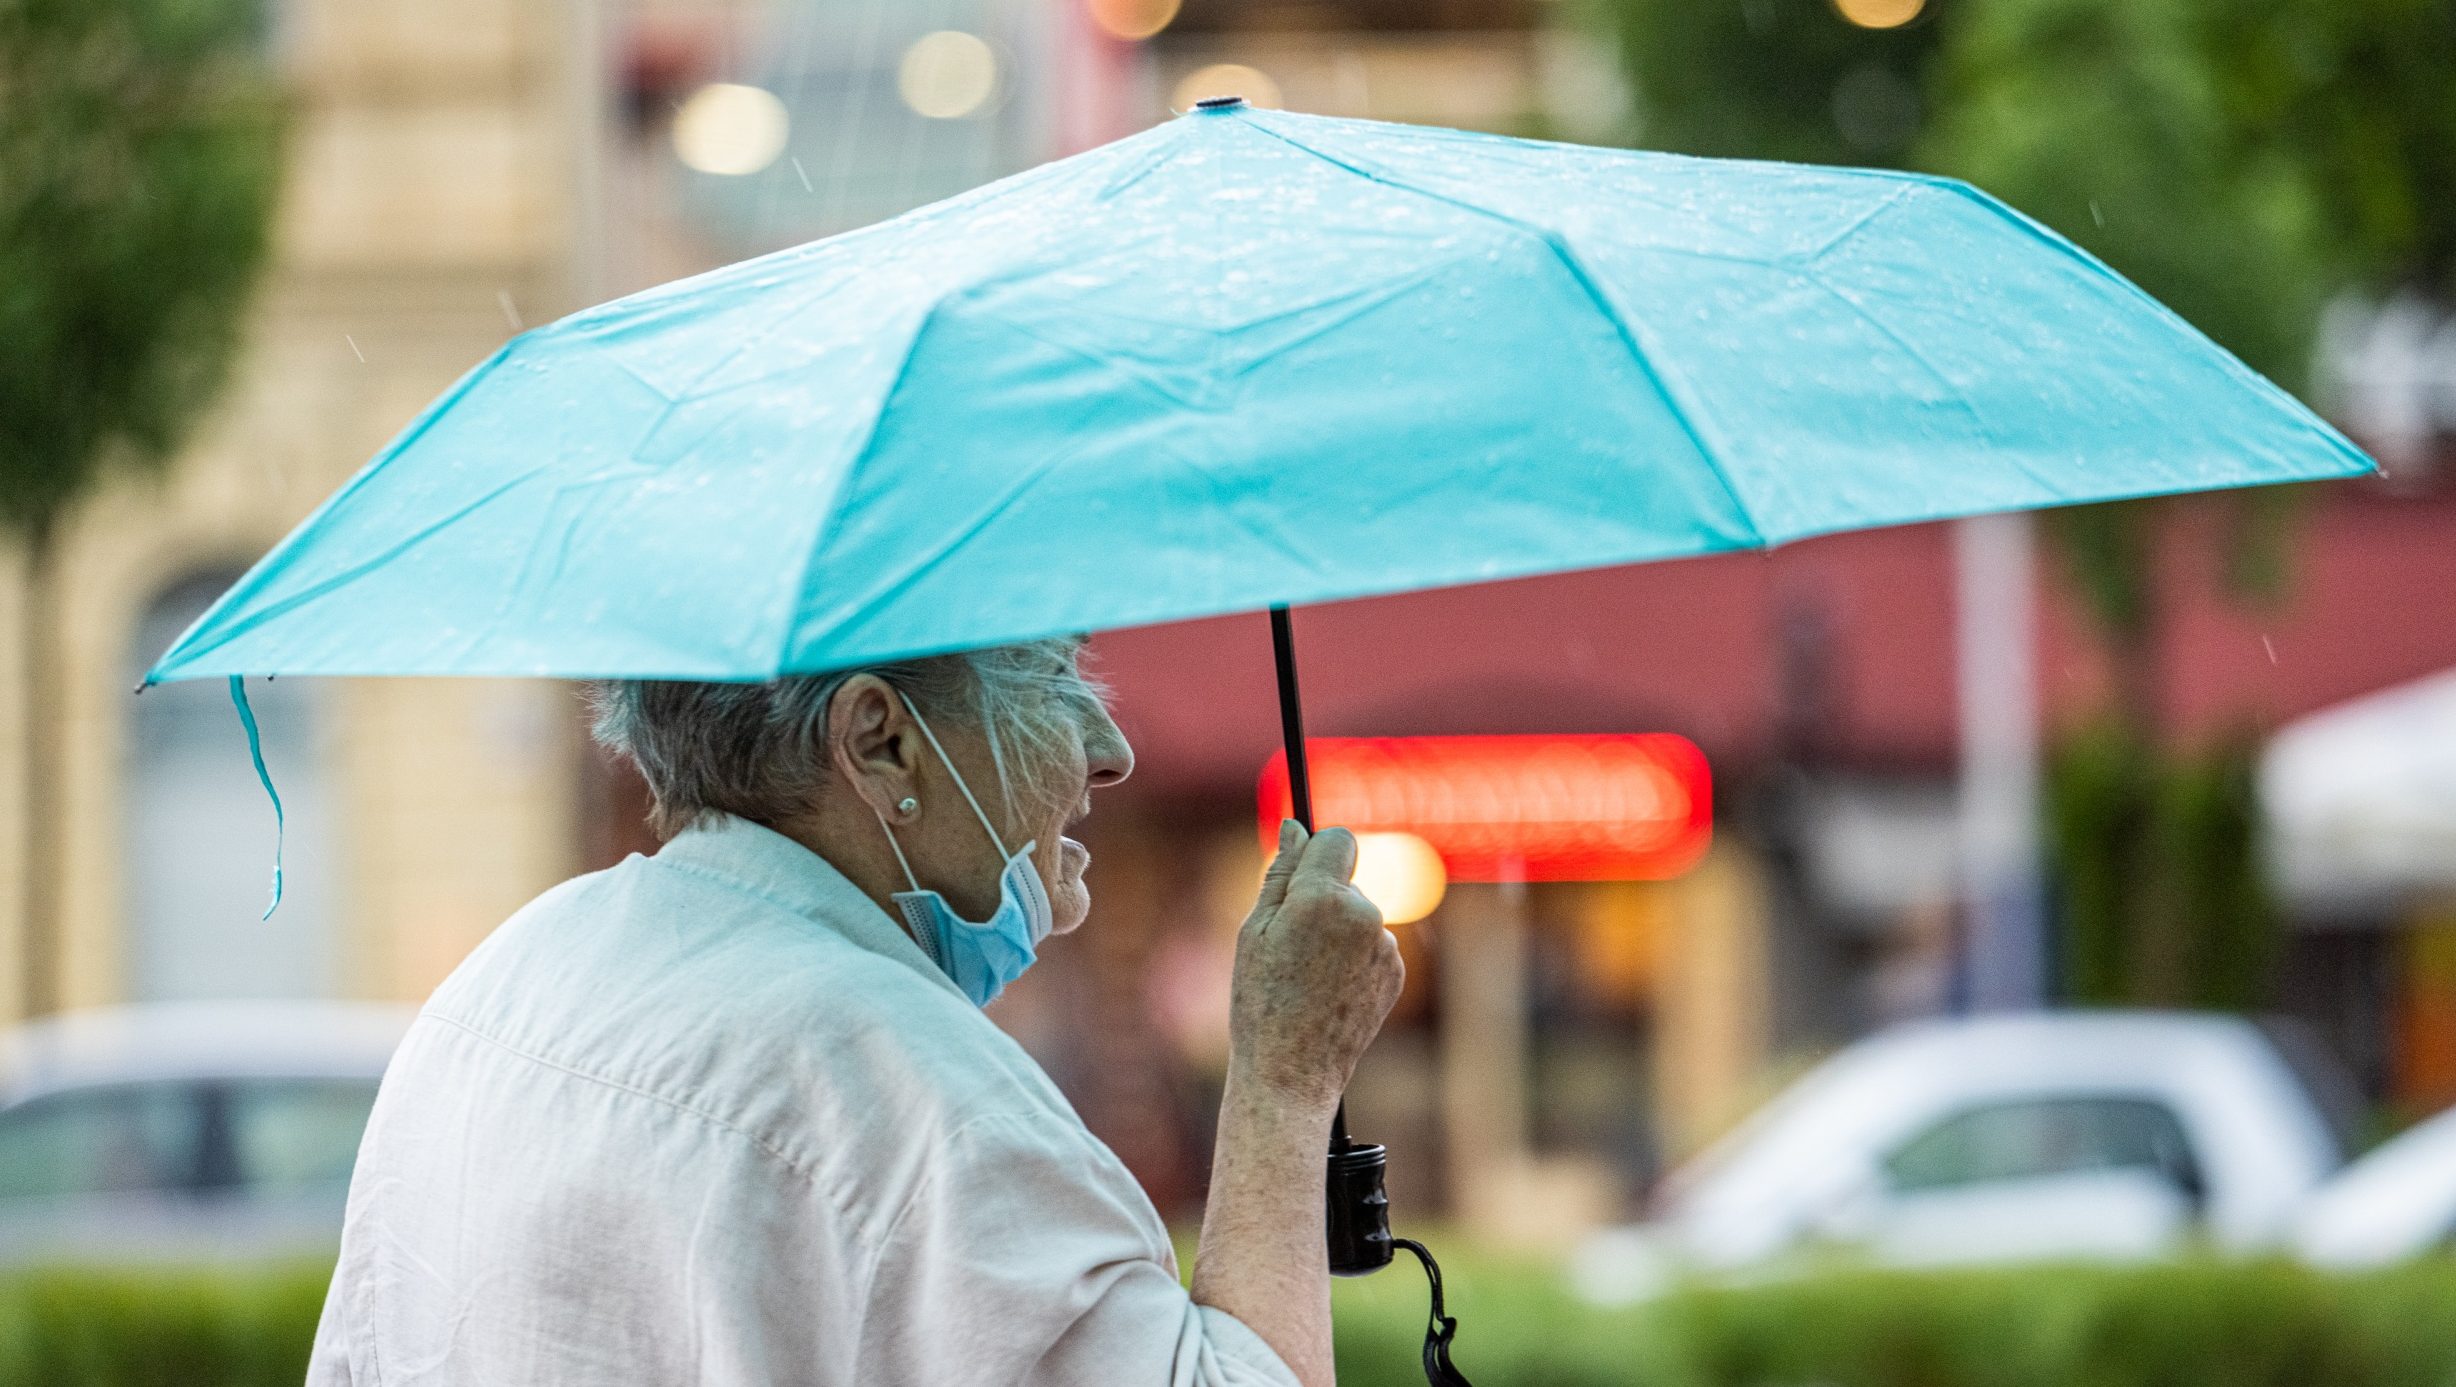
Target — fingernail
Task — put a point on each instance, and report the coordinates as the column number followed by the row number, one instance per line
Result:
column 1287, row 832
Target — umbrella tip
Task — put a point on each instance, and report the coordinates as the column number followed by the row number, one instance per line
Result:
column 1220, row 103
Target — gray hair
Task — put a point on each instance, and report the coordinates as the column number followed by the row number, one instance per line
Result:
column 760, row 750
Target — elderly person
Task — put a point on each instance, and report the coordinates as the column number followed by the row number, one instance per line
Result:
column 732, row 1113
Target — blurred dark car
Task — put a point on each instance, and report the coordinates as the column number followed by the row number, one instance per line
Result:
column 189, row 1132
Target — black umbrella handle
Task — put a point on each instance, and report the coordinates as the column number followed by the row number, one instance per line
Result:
column 1359, row 1212
column 1357, row 1208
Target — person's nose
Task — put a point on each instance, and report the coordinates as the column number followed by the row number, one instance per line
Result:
column 1106, row 754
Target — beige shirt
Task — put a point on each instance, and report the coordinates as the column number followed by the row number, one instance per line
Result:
column 711, row 1117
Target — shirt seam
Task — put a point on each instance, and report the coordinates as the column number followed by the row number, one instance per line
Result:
column 741, row 888
column 761, row 1144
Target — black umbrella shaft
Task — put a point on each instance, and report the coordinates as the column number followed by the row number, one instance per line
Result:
column 1300, row 778
column 1292, row 718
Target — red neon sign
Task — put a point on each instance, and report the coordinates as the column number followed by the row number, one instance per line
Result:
column 1633, row 807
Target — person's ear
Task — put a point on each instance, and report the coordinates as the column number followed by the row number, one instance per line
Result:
column 873, row 745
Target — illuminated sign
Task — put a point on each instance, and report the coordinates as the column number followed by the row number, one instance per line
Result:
column 1635, row 807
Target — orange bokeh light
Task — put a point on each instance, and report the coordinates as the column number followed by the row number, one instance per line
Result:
column 1132, row 19
column 1880, row 14
column 1608, row 807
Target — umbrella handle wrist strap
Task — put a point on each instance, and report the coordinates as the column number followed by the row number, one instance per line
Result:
column 1439, row 1328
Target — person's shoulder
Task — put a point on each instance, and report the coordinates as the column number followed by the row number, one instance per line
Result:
column 690, row 994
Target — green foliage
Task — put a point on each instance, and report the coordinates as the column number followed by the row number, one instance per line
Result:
column 176, row 1328
column 139, row 154
column 2240, row 159
column 2196, row 1324
column 1770, row 79
column 2189, row 1324
column 2358, row 92
column 2163, row 899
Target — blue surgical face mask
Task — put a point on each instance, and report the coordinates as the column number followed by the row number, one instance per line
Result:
column 981, row 958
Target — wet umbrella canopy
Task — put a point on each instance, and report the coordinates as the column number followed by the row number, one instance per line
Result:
column 1245, row 359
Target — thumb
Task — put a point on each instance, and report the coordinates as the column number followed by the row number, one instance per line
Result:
column 1283, row 866
column 1331, row 855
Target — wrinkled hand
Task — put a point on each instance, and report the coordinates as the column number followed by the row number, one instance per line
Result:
column 1315, row 972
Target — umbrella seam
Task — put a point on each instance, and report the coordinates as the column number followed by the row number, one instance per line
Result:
column 327, row 586
column 1660, row 379
column 853, row 461
column 1859, row 223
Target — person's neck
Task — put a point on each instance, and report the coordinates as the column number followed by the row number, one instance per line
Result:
column 856, row 859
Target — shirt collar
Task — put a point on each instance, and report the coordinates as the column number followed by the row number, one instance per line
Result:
column 755, row 859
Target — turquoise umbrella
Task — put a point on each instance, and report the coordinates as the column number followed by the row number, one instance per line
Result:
column 1245, row 358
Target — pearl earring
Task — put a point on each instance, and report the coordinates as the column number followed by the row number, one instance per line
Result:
column 906, row 805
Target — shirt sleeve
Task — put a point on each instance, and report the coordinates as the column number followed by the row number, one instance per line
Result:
column 1026, row 1254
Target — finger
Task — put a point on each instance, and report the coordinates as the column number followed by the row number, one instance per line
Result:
column 1330, row 856
column 1283, row 866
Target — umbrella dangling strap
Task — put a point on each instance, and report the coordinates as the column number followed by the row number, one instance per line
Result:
column 255, row 751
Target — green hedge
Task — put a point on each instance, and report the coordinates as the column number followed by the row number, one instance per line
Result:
column 200, row 1328
column 2177, row 1325
column 2193, row 1324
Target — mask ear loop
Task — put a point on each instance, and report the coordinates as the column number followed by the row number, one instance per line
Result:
column 899, row 850
column 949, row 761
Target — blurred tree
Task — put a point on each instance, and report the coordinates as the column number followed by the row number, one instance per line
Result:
column 1771, row 79
column 2361, row 92
column 2242, row 160
column 139, row 156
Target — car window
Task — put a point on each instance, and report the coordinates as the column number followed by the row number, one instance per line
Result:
column 114, row 1139
column 295, row 1134
column 2031, row 1138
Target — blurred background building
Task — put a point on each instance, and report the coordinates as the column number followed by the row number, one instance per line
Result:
column 431, row 207
column 464, row 168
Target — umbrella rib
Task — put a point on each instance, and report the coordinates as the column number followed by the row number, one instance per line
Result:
column 911, row 572
column 852, row 464
column 1681, row 411
column 326, row 586
column 1859, row 223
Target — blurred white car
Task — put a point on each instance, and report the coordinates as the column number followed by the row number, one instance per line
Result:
column 190, row 1131
column 2041, row 1136
column 2397, row 1202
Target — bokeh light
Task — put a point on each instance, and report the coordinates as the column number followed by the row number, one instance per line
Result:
column 1226, row 79
column 1132, row 19
column 1880, row 14
column 948, row 75
column 731, row 129
column 1401, row 874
